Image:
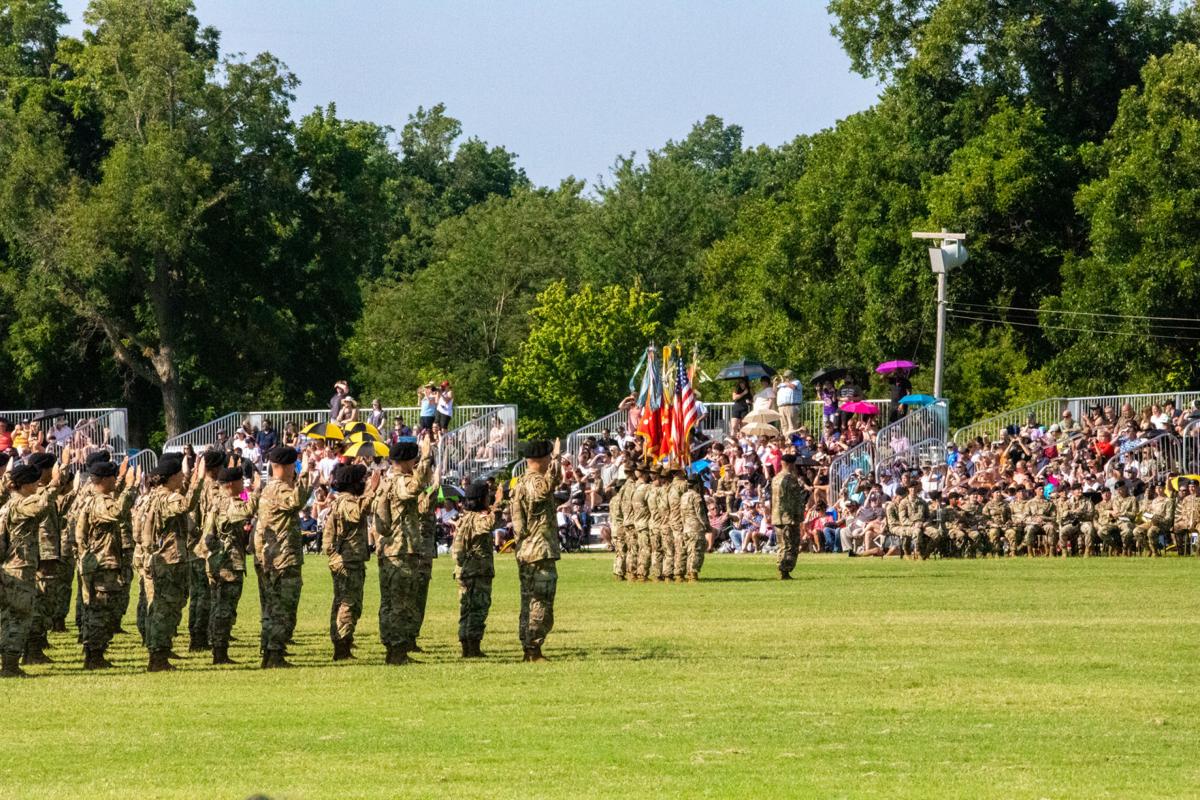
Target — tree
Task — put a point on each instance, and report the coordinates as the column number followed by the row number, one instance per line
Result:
column 588, row 339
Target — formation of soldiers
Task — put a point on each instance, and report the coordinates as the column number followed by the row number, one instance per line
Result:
column 1015, row 521
column 187, row 539
column 659, row 525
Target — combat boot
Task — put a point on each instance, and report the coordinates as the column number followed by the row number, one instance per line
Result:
column 275, row 660
column 350, row 647
column 785, row 576
column 9, row 667
column 692, row 578
column 93, row 658
column 159, row 662
column 475, row 644
column 221, row 655
column 679, row 579
column 467, row 650
column 34, row 654
column 198, row 644
column 265, row 658
column 341, row 650
column 534, row 654
column 397, row 656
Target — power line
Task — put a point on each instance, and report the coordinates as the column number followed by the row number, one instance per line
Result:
column 970, row 318
column 1080, row 313
column 1154, row 328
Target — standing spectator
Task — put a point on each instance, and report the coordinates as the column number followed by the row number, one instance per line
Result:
column 267, row 438
column 765, row 397
column 741, row 404
column 6, row 437
column 427, row 399
column 349, row 412
column 341, row 390
column 788, row 399
column 445, row 406
column 376, row 417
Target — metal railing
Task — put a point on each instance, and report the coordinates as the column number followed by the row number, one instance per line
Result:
column 573, row 444
column 900, row 443
column 1049, row 411
column 89, row 426
column 145, row 459
column 481, row 446
column 1153, row 457
column 860, row 457
column 1137, row 402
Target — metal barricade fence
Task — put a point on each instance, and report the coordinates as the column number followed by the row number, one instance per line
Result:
column 145, row 459
column 1045, row 411
column 1152, row 458
column 481, row 446
column 900, row 443
column 89, row 426
column 610, row 422
column 1080, row 405
column 861, row 457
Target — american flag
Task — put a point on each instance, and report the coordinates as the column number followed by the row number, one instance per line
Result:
column 686, row 413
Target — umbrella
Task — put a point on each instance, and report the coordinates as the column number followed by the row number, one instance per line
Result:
column 745, row 369
column 918, row 400
column 760, row 429
column 859, row 407
column 763, row 415
column 696, row 467
column 888, row 367
column 450, row 491
column 363, row 436
column 367, row 449
column 363, row 427
column 1174, row 482
column 829, row 374
column 323, row 430
column 49, row 413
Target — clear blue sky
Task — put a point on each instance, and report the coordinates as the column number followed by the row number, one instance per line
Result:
column 566, row 84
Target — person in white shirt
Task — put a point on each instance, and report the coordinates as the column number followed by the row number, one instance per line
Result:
column 788, row 398
column 327, row 463
column 765, row 397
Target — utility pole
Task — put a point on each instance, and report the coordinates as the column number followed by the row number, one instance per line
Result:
column 949, row 254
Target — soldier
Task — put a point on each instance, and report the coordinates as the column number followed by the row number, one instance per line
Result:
column 1104, row 537
column 1125, row 516
column 913, row 515
column 1157, row 519
column 998, row 521
column 660, row 536
column 279, row 550
column 788, row 500
column 1187, row 507
column 166, row 529
column 616, row 529
column 55, row 560
column 675, row 522
column 227, row 539
column 640, row 503
column 138, row 518
column 1036, row 513
column 100, row 537
column 399, row 531
column 199, row 593
column 695, row 528
column 345, row 540
column 1076, row 517
column 534, row 516
column 625, row 499
column 473, row 567
column 427, row 506
column 932, row 536
column 974, row 524
column 20, row 520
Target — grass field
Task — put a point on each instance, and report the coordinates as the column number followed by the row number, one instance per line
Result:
column 862, row 678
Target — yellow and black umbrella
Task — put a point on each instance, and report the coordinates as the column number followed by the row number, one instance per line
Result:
column 363, row 436
column 366, row 449
column 323, row 430
column 1177, row 478
column 364, row 427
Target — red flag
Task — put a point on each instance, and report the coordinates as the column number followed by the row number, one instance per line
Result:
column 686, row 415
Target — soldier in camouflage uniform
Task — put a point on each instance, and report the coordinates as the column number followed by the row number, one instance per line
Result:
column 199, row 591
column 167, row 525
column 616, row 526
column 695, row 528
column 427, row 506
column 675, row 492
column 1125, row 517
column 20, row 520
column 100, row 529
column 1104, row 536
column 1036, row 513
column 1158, row 512
column 933, row 534
column 1187, row 506
column 399, row 534
column 138, row 517
column 1076, row 521
column 534, row 517
column 625, row 498
column 55, row 559
column 998, row 523
column 279, row 550
column 788, row 499
column 640, row 518
column 473, row 568
column 913, row 515
column 662, row 560
column 345, row 541
column 974, row 524
column 226, row 542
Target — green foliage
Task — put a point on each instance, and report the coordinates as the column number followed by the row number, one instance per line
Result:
column 587, row 338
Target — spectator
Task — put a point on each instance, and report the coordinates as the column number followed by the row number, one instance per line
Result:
column 741, row 405
column 376, row 417
column 349, row 412
column 427, row 399
column 764, row 399
column 341, row 390
column 267, row 438
column 789, row 397
column 445, row 406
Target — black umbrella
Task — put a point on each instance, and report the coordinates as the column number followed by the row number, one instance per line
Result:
column 750, row 370
column 49, row 413
column 829, row 374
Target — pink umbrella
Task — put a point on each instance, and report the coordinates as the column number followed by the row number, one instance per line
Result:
column 888, row 367
column 859, row 407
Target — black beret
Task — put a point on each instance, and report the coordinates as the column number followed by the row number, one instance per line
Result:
column 23, row 474
column 4, row 459
column 41, row 461
column 536, row 448
column 789, row 458
column 213, row 459
column 476, row 491
column 231, row 475
column 103, row 469
column 935, row 495
column 98, row 457
column 695, row 480
column 346, row 475
column 282, row 455
column 405, row 449
column 176, row 458
column 167, row 467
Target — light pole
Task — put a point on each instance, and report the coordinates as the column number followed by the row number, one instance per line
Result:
column 951, row 253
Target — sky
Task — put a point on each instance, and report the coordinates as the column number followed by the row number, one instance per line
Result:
column 567, row 85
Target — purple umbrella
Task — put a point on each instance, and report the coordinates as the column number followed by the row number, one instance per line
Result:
column 888, row 367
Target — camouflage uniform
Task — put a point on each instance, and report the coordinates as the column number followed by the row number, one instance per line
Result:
column 345, row 540
column 788, row 499
column 138, row 516
column 20, row 522
column 1157, row 518
column 973, row 526
column 473, row 569
column 279, row 552
column 55, row 570
column 1186, row 517
column 616, row 526
column 399, row 544
column 998, row 520
column 1125, row 517
column 1036, row 515
column 695, row 532
column 662, row 560
column 933, row 535
column 100, row 533
column 534, row 517
column 641, row 525
column 913, row 514
column 166, row 525
column 1104, row 534
column 675, row 492
column 199, row 586
column 1075, row 519
column 427, row 506
column 227, row 541
column 629, row 534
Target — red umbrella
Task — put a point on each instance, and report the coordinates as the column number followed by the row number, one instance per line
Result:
column 888, row 367
column 859, row 407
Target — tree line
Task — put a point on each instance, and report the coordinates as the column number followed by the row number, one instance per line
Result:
column 177, row 237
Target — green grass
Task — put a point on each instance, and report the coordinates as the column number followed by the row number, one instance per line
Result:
column 862, row 678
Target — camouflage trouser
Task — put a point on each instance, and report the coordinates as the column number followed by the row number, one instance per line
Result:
column 679, row 548
column 142, row 606
column 629, row 536
column 101, row 593
column 694, row 547
column 126, row 590
column 1126, row 533
column 1033, row 535
column 166, row 593
column 18, row 595
column 620, row 548
column 997, row 536
column 223, row 597
column 281, row 594
column 930, row 539
column 426, row 575
column 474, row 601
column 662, row 560
column 198, row 595
column 976, row 543
column 539, row 580
column 1069, row 536
column 347, row 600
column 643, row 553
column 787, row 537
column 1098, row 537
column 66, row 576
column 1146, row 536
column 908, row 540
column 48, row 598
column 399, row 600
